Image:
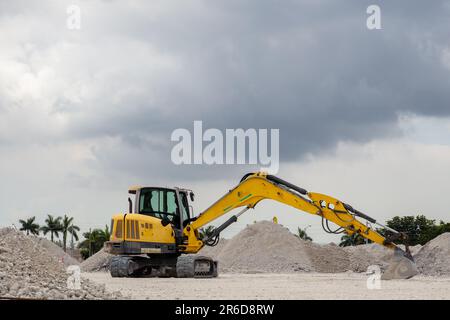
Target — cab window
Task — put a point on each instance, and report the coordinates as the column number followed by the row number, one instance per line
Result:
column 159, row 203
column 185, row 206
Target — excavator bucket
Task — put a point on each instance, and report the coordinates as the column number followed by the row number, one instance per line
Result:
column 401, row 266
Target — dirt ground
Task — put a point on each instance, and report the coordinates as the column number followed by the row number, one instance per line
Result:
column 276, row 286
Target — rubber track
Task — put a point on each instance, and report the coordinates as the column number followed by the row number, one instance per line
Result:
column 186, row 267
column 119, row 267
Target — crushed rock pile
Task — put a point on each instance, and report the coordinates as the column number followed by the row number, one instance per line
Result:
column 56, row 251
column 29, row 270
column 362, row 256
column 268, row 247
column 413, row 249
column 264, row 247
column 214, row 252
column 97, row 262
column 327, row 258
column 434, row 257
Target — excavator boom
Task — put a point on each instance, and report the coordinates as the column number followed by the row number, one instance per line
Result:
column 259, row 186
column 256, row 187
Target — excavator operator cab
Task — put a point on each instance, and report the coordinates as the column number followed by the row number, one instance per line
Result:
column 169, row 205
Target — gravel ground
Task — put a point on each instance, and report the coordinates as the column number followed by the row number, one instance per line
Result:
column 276, row 286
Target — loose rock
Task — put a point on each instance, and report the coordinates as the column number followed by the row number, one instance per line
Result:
column 29, row 270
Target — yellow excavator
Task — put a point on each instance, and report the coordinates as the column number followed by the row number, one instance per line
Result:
column 160, row 234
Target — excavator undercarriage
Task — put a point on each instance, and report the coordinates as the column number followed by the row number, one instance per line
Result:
column 183, row 266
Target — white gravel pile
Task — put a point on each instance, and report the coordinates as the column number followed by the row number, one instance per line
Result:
column 214, row 252
column 434, row 257
column 268, row 247
column 56, row 251
column 362, row 256
column 28, row 270
column 413, row 249
column 328, row 258
column 97, row 262
column 264, row 247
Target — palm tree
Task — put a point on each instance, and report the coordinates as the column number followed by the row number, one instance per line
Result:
column 206, row 232
column 73, row 232
column 301, row 233
column 94, row 240
column 105, row 234
column 53, row 226
column 29, row 226
column 68, row 227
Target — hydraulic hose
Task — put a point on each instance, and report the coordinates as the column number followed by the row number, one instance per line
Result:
column 287, row 184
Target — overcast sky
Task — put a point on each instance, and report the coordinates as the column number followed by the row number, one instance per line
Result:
column 364, row 115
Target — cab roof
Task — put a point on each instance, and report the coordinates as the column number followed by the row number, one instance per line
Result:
column 135, row 189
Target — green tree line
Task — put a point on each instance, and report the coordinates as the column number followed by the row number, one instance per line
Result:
column 419, row 230
column 64, row 226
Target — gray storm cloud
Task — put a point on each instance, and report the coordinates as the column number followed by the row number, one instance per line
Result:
column 105, row 99
column 315, row 71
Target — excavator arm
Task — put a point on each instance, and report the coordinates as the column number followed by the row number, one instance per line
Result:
column 255, row 187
